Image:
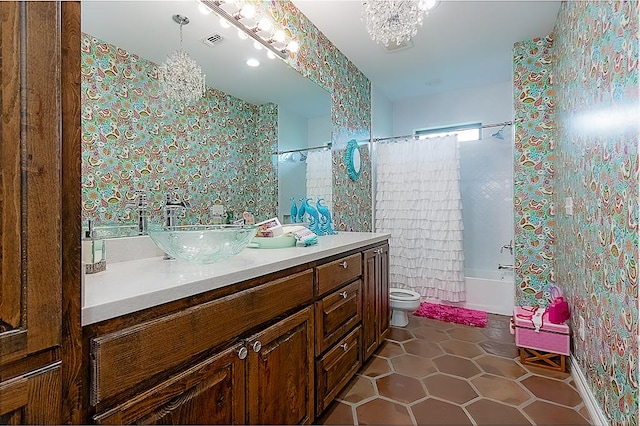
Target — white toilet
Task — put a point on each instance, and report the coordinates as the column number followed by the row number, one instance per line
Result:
column 402, row 301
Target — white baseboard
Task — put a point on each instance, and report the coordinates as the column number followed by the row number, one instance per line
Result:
column 597, row 415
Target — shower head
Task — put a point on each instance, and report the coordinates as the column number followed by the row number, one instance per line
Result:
column 498, row 134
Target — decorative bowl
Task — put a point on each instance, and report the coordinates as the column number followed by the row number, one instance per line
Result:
column 202, row 243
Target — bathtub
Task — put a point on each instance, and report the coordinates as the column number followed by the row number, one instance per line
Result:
column 490, row 291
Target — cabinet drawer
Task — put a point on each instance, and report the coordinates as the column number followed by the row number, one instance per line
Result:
column 124, row 359
column 337, row 273
column 336, row 368
column 337, row 313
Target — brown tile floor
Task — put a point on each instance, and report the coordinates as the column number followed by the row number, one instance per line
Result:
column 432, row 372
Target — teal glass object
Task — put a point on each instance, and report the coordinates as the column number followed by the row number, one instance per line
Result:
column 313, row 215
column 326, row 224
column 294, row 210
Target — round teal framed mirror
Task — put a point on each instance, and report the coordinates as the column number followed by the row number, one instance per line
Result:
column 353, row 160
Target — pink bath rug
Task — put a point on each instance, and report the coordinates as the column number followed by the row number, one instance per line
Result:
column 452, row 314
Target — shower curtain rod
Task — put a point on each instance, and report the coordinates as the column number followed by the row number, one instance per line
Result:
column 327, row 146
column 485, row 126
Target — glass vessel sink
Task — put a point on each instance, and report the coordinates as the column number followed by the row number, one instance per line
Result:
column 202, row 243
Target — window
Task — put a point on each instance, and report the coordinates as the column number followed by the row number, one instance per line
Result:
column 465, row 132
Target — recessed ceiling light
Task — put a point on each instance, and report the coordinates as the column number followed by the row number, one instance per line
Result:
column 204, row 9
column 253, row 62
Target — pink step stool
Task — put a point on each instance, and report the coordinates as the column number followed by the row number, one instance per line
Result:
column 548, row 346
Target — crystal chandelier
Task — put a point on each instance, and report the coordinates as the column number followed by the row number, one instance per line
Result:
column 180, row 77
column 394, row 21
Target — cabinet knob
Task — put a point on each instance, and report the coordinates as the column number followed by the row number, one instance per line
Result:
column 242, row 353
column 344, row 346
column 344, row 294
column 257, row 346
column 344, row 264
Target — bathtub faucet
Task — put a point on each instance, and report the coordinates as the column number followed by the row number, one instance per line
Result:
column 508, row 247
column 507, row 267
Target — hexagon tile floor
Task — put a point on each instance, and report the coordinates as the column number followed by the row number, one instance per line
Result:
column 433, row 372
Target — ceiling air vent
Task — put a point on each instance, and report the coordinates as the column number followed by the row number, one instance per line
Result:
column 213, row 40
column 394, row 47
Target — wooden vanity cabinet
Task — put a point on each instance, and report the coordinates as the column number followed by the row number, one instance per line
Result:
column 153, row 372
column 276, row 351
column 244, row 384
column 375, row 298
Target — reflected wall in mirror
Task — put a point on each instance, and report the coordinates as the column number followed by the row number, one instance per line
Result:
column 304, row 162
column 218, row 151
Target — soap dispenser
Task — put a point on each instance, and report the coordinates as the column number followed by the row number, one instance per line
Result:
column 93, row 251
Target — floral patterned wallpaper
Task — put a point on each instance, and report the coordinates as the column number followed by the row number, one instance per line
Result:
column 131, row 141
column 534, row 172
column 595, row 71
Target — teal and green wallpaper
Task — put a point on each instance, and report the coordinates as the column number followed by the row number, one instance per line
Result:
column 595, row 71
column 577, row 111
column 534, row 173
column 216, row 149
column 212, row 151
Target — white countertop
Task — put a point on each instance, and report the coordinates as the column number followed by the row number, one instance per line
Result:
column 127, row 287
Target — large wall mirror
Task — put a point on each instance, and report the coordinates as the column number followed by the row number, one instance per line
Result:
column 133, row 140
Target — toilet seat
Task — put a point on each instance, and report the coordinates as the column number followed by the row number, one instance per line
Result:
column 403, row 294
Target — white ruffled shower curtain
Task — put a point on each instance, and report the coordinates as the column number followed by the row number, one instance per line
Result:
column 319, row 178
column 418, row 202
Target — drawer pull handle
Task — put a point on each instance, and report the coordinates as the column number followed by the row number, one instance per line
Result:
column 242, row 353
column 379, row 251
column 257, row 346
column 344, row 264
column 344, row 294
column 344, row 346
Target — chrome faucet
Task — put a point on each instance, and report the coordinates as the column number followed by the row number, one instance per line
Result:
column 507, row 267
column 141, row 205
column 508, row 247
column 172, row 205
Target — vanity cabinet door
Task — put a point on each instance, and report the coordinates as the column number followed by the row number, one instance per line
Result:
column 375, row 298
column 280, row 372
column 211, row 392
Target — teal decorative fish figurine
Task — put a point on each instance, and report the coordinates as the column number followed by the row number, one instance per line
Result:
column 294, row 210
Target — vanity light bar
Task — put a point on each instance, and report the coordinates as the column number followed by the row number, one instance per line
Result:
column 236, row 21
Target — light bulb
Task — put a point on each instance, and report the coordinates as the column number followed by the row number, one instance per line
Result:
column 248, row 11
column 257, row 45
column 264, row 24
column 242, row 35
column 279, row 36
column 224, row 23
column 430, row 4
column 253, row 62
column 271, row 55
column 293, row 46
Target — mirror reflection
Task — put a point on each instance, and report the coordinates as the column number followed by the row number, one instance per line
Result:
column 220, row 153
